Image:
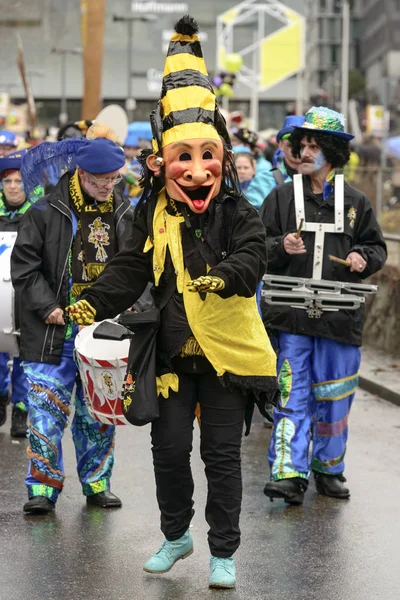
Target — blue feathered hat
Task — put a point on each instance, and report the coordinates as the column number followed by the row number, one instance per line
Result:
column 47, row 162
column 12, row 161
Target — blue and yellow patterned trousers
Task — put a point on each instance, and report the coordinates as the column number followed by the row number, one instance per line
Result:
column 18, row 380
column 318, row 379
column 50, row 395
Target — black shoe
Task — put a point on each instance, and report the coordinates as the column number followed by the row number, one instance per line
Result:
column 39, row 505
column 4, row 400
column 104, row 500
column 291, row 490
column 18, row 422
column 332, row 486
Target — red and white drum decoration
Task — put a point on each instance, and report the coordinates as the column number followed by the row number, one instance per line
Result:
column 102, row 366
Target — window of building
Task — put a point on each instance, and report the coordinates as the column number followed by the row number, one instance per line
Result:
column 332, row 29
column 337, row 6
column 355, row 29
column 335, row 54
column 357, row 56
column 322, row 5
column 321, row 32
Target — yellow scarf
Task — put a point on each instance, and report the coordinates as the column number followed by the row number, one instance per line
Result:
column 87, row 264
column 229, row 330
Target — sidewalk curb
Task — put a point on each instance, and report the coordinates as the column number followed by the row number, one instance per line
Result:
column 378, row 389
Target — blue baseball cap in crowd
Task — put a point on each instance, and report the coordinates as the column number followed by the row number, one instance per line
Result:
column 8, row 138
column 240, row 148
column 289, row 125
column 12, row 162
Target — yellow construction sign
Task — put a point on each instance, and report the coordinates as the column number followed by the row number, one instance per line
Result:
column 282, row 52
column 271, row 57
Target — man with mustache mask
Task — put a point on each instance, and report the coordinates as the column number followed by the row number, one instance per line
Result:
column 318, row 358
column 203, row 246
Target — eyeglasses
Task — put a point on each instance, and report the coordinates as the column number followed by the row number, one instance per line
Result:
column 17, row 182
column 102, row 182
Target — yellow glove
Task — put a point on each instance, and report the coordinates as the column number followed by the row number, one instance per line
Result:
column 206, row 283
column 82, row 313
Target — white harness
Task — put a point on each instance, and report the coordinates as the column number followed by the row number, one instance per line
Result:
column 319, row 228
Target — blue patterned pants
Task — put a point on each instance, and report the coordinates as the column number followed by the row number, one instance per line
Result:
column 50, row 395
column 318, row 379
column 18, row 380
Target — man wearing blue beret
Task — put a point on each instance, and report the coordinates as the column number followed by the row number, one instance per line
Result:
column 63, row 245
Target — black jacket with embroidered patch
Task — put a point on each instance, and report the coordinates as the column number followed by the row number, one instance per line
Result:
column 361, row 234
column 232, row 242
column 39, row 268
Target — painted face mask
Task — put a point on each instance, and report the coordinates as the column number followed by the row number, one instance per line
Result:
column 193, row 172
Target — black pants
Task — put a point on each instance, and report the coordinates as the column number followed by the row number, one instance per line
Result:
column 222, row 417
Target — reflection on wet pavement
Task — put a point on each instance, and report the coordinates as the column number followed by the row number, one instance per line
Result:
column 325, row 550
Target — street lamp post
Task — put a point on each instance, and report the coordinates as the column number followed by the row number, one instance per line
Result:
column 129, row 59
column 62, row 52
column 345, row 58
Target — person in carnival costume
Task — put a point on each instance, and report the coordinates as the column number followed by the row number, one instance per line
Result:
column 13, row 205
column 318, row 359
column 203, row 246
column 63, row 245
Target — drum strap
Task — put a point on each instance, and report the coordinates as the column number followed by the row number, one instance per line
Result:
column 320, row 229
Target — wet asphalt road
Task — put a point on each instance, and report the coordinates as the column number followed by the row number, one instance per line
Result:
column 325, row 550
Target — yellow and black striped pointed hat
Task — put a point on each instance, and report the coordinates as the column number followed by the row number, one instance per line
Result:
column 188, row 107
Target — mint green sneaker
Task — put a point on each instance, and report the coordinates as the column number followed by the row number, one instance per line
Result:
column 223, row 572
column 169, row 553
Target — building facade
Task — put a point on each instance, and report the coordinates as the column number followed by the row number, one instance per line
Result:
column 324, row 47
column 380, row 48
column 133, row 65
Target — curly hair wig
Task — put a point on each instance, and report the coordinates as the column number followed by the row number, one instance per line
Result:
column 335, row 149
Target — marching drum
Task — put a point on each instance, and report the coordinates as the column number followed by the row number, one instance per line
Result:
column 8, row 333
column 102, row 366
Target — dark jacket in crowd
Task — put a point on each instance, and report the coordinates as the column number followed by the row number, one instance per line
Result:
column 232, row 243
column 9, row 218
column 40, row 269
column 361, row 234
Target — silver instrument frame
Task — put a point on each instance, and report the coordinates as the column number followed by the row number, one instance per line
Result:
column 315, row 295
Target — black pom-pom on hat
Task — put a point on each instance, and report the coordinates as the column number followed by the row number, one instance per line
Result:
column 186, row 26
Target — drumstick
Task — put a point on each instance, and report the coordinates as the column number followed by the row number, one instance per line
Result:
column 338, row 260
column 300, row 228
